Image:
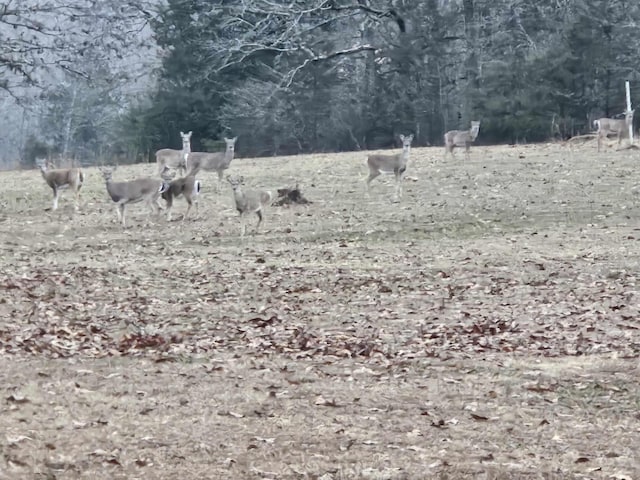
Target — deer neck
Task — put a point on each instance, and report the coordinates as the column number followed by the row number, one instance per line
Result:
column 228, row 156
column 405, row 154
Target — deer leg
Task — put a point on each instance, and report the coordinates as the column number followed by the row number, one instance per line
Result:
column 77, row 199
column 220, row 175
column 259, row 213
column 169, row 206
column 372, row 174
column 186, row 214
column 56, row 194
column 155, row 207
column 398, row 185
column 120, row 210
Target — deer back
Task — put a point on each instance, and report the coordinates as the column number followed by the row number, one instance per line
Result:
column 64, row 177
column 205, row 161
column 386, row 163
column 135, row 190
column 170, row 157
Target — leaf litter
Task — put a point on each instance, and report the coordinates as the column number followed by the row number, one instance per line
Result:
column 328, row 340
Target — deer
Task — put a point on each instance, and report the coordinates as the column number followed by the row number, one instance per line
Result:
column 213, row 161
column 610, row 126
column 169, row 157
column 390, row 164
column 60, row 179
column 249, row 201
column 146, row 190
column 188, row 187
column 461, row 138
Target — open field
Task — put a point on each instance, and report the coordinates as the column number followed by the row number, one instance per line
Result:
column 485, row 327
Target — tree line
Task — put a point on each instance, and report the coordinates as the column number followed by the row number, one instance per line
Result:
column 329, row 75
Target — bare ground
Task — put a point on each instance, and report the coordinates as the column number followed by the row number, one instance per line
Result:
column 485, row 327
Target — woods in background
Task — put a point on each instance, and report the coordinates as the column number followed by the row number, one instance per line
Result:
column 330, row 75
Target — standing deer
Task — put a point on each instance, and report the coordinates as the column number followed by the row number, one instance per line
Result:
column 134, row 191
column 390, row 164
column 188, row 187
column 170, row 157
column 610, row 126
column 461, row 138
column 249, row 201
column 60, row 179
column 213, row 161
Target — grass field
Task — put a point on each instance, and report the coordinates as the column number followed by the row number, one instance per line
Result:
column 484, row 327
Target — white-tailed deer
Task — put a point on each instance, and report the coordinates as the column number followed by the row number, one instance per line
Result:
column 461, row 138
column 390, row 164
column 146, row 190
column 188, row 187
column 610, row 126
column 61, row 179
column 249, row 201
column 213, row 161
column 172, row 158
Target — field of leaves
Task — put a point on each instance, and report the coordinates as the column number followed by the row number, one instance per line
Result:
column 484, row 327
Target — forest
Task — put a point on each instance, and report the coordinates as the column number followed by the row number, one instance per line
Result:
column 102, row 81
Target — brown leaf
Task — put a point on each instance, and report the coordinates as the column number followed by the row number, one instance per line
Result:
column 480, row 418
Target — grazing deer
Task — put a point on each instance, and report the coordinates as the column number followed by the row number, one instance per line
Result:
column 461, row 138
column 249, row 201
column 610, row 126
column 390, row 164
column 134, row 191
column 169, row 157
column 188, row 187
column 60, row 179
column 213, row 161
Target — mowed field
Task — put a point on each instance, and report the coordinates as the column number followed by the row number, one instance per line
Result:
column 487, row 326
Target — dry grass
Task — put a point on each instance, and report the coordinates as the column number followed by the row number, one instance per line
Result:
column 484, row 327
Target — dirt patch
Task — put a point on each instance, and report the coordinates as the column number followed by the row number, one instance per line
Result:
column 485, row 326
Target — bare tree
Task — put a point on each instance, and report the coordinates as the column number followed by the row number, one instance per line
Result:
column 41, row 37
column 292, row 35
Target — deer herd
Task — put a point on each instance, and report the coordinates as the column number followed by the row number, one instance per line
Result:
column 165, row 186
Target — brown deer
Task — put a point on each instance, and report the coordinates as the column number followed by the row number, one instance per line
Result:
column 390, row 165
column 249, row 201
column 169, row 157
column 61, row 179
column 187, row 187
column 213, row 161
column 610, row 126
column 461, row 138
column 146, row 190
